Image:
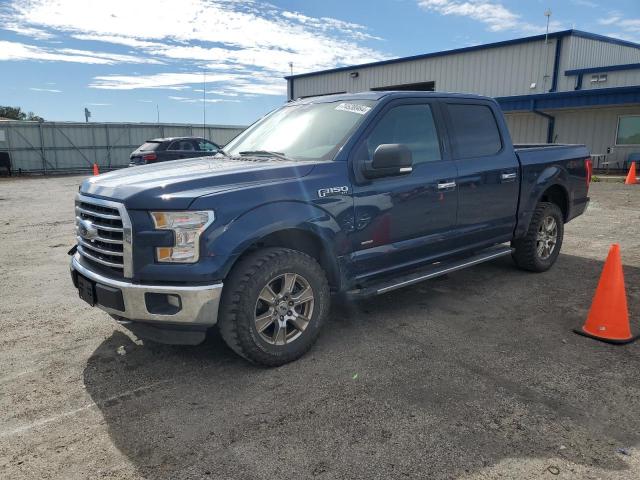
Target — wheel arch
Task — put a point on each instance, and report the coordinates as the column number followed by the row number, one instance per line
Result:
column 557, row 194
column 301, row 240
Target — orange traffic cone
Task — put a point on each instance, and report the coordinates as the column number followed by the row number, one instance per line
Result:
column 631, row 176
column 96, row 171
column 608, row 318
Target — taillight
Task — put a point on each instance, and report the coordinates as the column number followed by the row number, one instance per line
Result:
column 150, row 157
column 588, row 165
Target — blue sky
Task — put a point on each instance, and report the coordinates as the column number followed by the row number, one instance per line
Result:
column 122, row 58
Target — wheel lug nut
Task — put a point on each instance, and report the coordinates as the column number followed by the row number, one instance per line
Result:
column 289, row 313
column 291, row 304
column 281, row 317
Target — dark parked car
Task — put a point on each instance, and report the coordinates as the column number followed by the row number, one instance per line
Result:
column 174, row 148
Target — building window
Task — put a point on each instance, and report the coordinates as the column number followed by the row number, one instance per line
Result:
column 628, row 130
column 600, row 78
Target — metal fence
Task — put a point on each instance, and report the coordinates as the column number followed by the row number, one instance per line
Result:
column 65, row 147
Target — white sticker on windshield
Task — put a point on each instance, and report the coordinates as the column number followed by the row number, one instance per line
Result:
column 353, row 108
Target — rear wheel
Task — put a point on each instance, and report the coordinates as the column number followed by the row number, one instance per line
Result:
column 273, row 306
column 538, row 250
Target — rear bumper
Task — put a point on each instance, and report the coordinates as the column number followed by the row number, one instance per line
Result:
column 195, row 305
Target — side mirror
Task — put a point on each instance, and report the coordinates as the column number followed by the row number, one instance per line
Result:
column 389, row 159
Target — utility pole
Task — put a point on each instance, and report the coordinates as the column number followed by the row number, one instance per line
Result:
column 158, row 111
column 291, row 67
column 547, row 14
column 87, row 115
column 204, row 102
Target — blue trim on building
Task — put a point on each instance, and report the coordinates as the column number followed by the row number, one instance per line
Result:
column 571, row 99
column 602, row 38
column 515, row 41
column 556, row 65
column 608, row 68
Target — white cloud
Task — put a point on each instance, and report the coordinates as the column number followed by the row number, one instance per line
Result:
column 628, row 28
column 494, row 15
column 585, row 3
column 114, row 39
column 171, row 81
column 21, row 51
column 49, row 90
column 201, row 100
column 30, row 32
column 232, row 83
column 249, row 41
column 113, row 57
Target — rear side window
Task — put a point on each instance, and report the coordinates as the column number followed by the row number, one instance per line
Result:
column 181, row 145
column 409, row 125
column 148, row 146
column 475, row 131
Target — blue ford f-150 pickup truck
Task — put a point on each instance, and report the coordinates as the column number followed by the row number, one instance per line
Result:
column 354, row 194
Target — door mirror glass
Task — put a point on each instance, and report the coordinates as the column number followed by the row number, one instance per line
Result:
column 389, row 159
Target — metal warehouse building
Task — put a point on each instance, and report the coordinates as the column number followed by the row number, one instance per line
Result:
column 565, row 87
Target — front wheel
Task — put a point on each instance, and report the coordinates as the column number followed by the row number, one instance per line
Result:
column 538, row 250
column 273, row 306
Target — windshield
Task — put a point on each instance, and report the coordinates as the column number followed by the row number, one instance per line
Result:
column 302, row 132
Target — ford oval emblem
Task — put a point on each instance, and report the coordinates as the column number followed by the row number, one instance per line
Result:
column 87, row 230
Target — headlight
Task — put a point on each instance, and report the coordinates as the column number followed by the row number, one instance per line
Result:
column 187, row 227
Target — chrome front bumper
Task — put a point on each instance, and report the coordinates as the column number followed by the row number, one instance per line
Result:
column 198, row 304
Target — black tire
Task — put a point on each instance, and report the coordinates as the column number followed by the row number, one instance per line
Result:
column 526, row 254
column 240, row 300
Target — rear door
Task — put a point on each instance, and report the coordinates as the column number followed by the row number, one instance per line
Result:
column 402, row 220
column 488, row 179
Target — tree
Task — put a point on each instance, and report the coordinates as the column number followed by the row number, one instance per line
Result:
column 16, row 113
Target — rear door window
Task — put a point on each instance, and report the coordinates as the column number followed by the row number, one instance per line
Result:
column 475, row 131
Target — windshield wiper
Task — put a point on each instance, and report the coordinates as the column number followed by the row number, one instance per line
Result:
column 265, row 153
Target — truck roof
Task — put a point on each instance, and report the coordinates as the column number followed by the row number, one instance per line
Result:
column 377, row 95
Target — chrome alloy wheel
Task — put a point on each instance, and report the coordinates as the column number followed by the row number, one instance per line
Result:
column 284, row 309
column 547, row 237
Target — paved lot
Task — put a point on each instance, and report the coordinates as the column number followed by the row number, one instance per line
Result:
column 476, row 375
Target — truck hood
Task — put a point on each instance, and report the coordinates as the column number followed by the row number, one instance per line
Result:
column 175, row 184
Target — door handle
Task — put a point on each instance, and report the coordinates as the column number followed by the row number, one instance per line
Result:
column 509, row 176
column 446, row 185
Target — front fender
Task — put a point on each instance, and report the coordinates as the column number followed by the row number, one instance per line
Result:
column 534, row 184
column 232, row 240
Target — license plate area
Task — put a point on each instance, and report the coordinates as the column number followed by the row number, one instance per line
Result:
column 87, row 290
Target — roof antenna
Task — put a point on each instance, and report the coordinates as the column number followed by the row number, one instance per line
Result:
column 547, row 13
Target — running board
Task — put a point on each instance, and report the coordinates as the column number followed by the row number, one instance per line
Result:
column 434, row 270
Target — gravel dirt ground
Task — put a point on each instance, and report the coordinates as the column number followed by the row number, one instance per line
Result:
column 474, row 375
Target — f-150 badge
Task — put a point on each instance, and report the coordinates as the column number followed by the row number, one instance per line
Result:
column 328, row 192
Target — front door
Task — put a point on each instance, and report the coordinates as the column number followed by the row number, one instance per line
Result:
column 403, row 220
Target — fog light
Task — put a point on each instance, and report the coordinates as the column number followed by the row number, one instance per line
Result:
column 162, row 303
